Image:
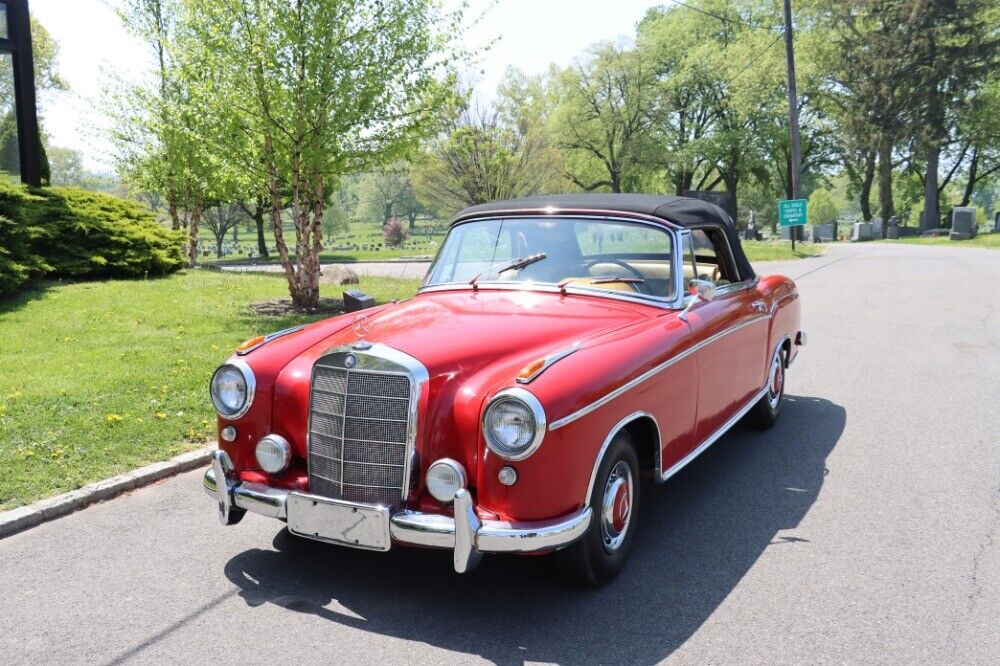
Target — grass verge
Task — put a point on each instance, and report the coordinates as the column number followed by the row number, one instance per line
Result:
column 991, row 241
column 98, row 378
column 781, row 250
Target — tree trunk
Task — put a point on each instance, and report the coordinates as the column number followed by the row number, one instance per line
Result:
column 258, row 218
column 973, row 176
column 276, row 222
column 932, row 215
column 413, row 219
column 865, row 195
column 193, row 223
column 175, row 218
column 218, row 246
column 236, row 232
column 886, row 207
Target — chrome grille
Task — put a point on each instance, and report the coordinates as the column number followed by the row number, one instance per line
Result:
column 359, row 425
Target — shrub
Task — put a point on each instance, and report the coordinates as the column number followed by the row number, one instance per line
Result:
column 68, row 232
column 18, row 262
column 394, row 232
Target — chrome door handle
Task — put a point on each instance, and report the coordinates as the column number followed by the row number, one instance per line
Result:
column 759, row 306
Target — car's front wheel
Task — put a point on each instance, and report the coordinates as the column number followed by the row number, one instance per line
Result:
column 601, row 553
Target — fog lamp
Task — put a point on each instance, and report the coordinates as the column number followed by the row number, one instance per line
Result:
column 445, row 478
column 273, row 454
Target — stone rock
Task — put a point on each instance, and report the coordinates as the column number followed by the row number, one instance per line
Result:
column 337, row 274
column 878, row 227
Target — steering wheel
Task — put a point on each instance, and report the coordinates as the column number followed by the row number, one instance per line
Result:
column 641, row 287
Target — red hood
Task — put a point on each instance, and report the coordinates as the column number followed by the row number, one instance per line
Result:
column 457, row 333
column 472, row 344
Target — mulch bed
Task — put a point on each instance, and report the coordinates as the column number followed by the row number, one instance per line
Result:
column 281, row 307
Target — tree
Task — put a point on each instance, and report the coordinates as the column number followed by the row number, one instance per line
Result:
column 318, row 89
column 67, row 166
column 221, row 220
column 822, row 207
column 387, row 193
column 161, row 125
column 481, row 159
column 605, row 119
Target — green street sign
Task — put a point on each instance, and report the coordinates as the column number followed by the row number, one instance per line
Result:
column 792, row 213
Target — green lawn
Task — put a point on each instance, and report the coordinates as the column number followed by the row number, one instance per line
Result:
column 98, row 378
column 991, row 241
column 779, row 250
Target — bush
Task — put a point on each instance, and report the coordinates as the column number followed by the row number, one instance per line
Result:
column 18, row 262
column 394, row 232
column 68, row 232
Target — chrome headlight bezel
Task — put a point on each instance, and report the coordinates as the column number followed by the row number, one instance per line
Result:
column 527, row 400
column 249, row 380
column 280, row 445
column 459, row 479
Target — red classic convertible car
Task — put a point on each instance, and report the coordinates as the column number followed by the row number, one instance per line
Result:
column 560, row 349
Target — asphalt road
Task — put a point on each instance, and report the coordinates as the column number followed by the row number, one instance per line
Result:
column 862, row 528
column 398, row 269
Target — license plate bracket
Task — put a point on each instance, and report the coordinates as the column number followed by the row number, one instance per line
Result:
column 339, row 522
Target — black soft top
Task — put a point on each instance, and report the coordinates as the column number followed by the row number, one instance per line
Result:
column 681, row 211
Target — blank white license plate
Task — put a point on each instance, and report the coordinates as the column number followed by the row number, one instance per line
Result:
column 339, row 522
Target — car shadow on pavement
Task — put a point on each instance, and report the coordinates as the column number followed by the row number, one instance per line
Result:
column 698, row 536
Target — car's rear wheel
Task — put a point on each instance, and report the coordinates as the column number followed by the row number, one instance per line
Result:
column 765, row 413
column 601, row 553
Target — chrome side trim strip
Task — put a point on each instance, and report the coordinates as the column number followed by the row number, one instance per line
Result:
column 548, row 362
column 600, row 402
column 607, row 442
column 679, row 465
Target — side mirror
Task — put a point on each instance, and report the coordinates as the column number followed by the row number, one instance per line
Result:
column 704, row 291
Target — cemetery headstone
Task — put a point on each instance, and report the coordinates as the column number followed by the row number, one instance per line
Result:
column 963, row 223
column 861, row 231
column 825, row 232
column 996, row 222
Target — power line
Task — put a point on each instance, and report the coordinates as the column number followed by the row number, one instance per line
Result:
column 757, row 57
column 726, row 19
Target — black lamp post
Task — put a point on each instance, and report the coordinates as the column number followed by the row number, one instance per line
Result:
column 15, row 55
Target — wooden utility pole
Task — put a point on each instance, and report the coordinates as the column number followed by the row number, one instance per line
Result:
column 793, row 113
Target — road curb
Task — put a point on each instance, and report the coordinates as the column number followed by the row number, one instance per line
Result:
column 26, row 517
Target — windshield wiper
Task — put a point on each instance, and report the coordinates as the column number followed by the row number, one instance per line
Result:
column 523, row 262
column 615, row 278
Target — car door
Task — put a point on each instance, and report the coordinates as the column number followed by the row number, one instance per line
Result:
column 725, row 333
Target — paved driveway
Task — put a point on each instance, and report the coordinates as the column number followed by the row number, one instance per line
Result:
column 398, row 269
column 862, row 528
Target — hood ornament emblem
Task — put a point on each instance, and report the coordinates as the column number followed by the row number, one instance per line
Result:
column 362, row 327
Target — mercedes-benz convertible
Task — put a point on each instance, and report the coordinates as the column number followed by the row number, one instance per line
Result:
column 560, row 350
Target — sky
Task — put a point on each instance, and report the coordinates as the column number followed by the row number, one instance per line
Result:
column 95, row 49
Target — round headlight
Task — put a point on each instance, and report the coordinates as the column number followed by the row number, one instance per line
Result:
column 444, row 479
column 273, row 454
column 232, row 389
column 514, row 424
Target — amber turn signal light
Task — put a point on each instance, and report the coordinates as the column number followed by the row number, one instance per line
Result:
column 530, row 370
column 252, row 342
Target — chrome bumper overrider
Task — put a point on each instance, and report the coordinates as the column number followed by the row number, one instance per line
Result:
column 465, row 534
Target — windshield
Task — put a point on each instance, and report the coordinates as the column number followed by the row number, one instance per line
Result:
column 603, row 255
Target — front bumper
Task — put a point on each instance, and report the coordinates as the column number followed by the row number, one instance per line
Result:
column 465, row 535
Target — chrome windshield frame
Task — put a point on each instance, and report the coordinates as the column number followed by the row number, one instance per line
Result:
column 673, row 302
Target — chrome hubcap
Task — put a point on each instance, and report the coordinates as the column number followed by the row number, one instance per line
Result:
column 616, row 507
column 776, row 381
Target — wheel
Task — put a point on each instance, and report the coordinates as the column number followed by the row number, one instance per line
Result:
column 765, row 413
column 601, row 553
